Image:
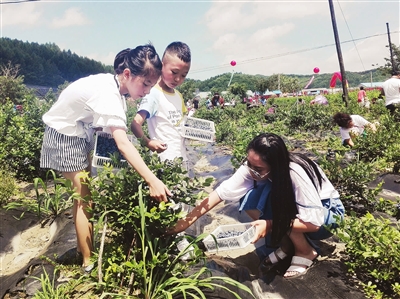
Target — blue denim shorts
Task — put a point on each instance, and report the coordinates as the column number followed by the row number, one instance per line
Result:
column 256, row 199
column 333, row 212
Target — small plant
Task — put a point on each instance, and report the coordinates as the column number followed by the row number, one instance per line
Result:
column 51, row 201
column 50, row 289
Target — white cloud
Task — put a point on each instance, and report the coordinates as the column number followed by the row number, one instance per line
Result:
column 365, row 53
column 72, row 17
column 288, row 10
column 107, row 59
column 273, row 37
column 21, row 14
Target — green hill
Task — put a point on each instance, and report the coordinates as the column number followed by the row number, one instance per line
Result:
column 47, row 65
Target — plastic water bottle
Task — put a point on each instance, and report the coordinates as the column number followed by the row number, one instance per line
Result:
column 182, row 245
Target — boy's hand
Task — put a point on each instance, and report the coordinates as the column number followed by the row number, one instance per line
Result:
column 157, row 146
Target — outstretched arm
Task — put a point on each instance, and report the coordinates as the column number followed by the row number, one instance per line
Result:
column 203, row 207
column 157, row 188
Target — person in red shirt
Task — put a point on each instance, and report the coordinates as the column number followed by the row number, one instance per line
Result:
column 362, row 97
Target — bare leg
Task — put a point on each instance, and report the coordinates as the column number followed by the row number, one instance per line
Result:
column 83, row 227
column 254, row 214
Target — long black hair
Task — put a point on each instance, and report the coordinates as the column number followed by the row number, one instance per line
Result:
column 272, row 150
column 141, row 61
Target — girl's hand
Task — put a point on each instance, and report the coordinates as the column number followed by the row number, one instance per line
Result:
column 262, row 228
column 158, row 190
column 180, row 226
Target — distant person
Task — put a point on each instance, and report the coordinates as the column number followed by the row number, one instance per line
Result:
column 164, row 107
column 361, row 95
column 209, row 104
column 97, row 101
column 263, row 101
column 221, row 102
column 319, row 100
column 287, row 195
column 215, row 100
column 196, row 103
column 391, row 89
column 362, row 98
column 351, row 125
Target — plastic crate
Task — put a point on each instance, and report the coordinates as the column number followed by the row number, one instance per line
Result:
column 198, row 129
column 241, row 235
column 104, row 147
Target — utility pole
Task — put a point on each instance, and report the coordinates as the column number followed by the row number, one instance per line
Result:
column 345, row 95
column 394, row 68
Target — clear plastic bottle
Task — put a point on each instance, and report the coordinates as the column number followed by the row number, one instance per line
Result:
column 182, row 246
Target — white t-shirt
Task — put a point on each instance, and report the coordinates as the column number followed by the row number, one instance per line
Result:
column 237, row 185
column 391, row 87
column 308, row 198
column 358, row 128
column 87, row 103
column 165, row 111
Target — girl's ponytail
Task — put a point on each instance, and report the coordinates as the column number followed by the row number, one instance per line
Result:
column 120, row 61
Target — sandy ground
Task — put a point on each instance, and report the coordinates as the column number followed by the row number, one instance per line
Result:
column 23, row 247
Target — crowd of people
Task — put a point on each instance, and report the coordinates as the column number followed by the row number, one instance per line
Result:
column 288, row 196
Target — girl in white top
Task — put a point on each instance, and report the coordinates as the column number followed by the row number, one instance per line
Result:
column 293, row 206
column 351, row 125
column 98, row 102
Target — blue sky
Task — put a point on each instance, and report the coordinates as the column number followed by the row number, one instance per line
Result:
column 263, row 37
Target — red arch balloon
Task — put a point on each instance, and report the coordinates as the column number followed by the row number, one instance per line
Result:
column 335, row 77
column 316, row 70
column 233, row 63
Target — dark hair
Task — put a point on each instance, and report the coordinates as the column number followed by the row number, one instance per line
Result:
column 141, row 61
column 361, row 87
column 181, row 50
column 342, row 119
column 272, row 150
column 395, row 73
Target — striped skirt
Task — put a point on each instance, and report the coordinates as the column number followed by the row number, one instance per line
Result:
column 65, row 153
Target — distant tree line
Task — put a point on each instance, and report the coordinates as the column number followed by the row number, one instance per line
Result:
column 47, row 65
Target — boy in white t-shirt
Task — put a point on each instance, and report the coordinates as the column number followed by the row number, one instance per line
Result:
column 351, row 125
column 164, row 108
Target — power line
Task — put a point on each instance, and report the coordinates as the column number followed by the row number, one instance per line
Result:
column 348, row 28
column 17, row 1
column 211, row 68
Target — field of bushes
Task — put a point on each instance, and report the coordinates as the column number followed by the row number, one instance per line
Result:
column 146, row 264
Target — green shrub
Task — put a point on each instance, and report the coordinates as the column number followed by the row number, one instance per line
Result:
column 373, row 247
column 135, row 255
column 21, row 136
column 8, row 186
